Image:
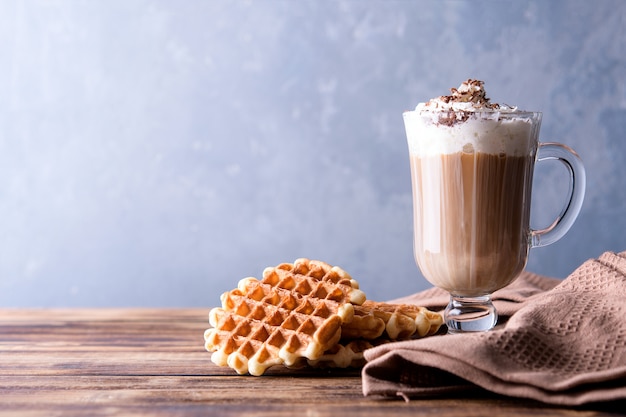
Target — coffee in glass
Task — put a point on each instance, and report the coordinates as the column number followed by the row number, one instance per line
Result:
column 472, row 166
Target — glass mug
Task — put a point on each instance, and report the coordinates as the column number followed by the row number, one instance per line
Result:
column 472, row 176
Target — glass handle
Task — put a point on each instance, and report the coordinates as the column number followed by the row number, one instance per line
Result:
column 577, row 184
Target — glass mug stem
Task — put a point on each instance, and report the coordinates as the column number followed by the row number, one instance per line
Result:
column 470, row 314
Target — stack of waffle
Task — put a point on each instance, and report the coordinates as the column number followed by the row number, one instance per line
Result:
column 306, row 313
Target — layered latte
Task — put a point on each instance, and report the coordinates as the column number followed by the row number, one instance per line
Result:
column 471, row 164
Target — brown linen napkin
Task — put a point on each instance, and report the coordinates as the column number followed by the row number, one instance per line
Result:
column 563, row 344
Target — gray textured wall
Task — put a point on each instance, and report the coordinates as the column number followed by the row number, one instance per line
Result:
column 155, row 152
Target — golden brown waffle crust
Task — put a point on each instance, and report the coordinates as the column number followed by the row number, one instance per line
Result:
column 316, row 274
column 306, row 313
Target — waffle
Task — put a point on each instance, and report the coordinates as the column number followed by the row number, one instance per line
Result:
column 348, row 354
column 373, row 320
column 306, row 313
column 316, row 279
column 295, row 313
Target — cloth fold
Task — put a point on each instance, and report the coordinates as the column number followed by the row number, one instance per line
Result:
column 557, row 341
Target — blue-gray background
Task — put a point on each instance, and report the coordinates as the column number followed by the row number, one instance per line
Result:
column 152, row 153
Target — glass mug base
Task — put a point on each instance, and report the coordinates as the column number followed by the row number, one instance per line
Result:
column 470, row 314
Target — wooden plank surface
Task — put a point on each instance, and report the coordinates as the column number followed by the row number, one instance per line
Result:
column 113, row 362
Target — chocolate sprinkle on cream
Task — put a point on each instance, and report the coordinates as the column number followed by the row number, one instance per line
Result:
column 457, row 107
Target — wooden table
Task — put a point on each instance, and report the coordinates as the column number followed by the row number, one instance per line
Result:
column 115, row 362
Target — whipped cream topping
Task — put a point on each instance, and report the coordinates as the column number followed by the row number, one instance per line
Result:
column 469, row 97
column 498, row 135
column 467, row 121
